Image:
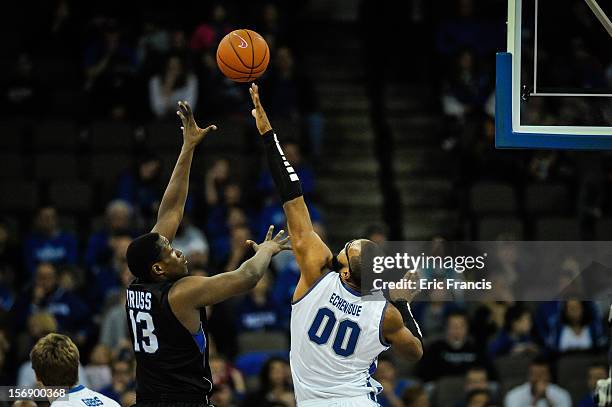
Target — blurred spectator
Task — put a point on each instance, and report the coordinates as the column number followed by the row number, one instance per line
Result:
column 284, row 287
column 291, row 96
column 48, row 243
column 476, row 379
column 110, row 67
column 258, row 310
column 71, row 314
column 220, row 228
column 487, row 320
column 452, row 355
column 142, row 187
column 152, row 44
column 118, row 218
column 515, row 336
column 224, row 374
column 271, row 25
column 377, row 232
column 578, row 330
column 597, row 371
column 208, row 34
column 432, row 313
column 478, row 398
column 538, row 391
column 275, row 385
column 415, row 396
column 6, row 370
column 393, row 387
column 113, row 329
column 107, row 277
column 467, row 88
column 191, row 242
column 122, row 382
column 39, row 325
column 22, row 94
column 217, row 178
column 10, row 261
column 98, row 370
column 239, row 249
column 176, row 83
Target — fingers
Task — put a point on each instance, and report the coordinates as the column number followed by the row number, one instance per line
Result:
column 285, row 247
column 212, row 127
column 185, row 107
column 279, row 235
column 254, row 91
column 254, row 113
column 252, row 244
column 284, row 241
column 269, row 234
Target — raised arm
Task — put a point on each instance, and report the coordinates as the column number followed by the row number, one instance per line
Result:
column 170, row 213
column 312, row 255
column 196, row 291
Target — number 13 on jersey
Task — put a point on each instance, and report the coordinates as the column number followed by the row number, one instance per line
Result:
column 148, row 341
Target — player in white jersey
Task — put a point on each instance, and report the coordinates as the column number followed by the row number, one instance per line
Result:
column 336, row 336
column 55, row 360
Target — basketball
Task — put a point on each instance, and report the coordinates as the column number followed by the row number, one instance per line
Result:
column 243, row 55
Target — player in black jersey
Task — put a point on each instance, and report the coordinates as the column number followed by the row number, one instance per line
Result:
column 165, row 306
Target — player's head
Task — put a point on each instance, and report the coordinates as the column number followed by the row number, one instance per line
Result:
column 353, row 257
column 151, row 258
column 55, row 360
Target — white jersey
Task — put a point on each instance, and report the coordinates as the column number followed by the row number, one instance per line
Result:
column 81, row 396
column 336, row 338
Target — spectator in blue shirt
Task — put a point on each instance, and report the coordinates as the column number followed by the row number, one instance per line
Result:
column 118, row 218
column 515, row 336
column 393, row 386
column 49, row 243
column 258, row 310
column 107, row 277
column 597, row 371
column 47, row 295
column 142, row 188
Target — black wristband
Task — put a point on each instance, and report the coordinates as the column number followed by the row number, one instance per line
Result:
column 408, row 318
column 286, row 180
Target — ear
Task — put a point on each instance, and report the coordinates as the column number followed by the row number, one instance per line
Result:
column 345, row 274
column 157, row 270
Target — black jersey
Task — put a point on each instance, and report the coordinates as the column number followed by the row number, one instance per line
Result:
column 172, row 363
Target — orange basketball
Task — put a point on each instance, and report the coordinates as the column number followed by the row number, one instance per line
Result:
column 243, row 55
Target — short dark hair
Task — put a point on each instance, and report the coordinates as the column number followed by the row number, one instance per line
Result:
column 142, row 253
column 369, row 250
column 513, row 314
column 476, row 392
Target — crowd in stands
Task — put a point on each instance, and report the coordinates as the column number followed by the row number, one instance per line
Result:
column 55, row 277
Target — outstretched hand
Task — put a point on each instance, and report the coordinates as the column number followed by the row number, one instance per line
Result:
column 258, row 112
column 192, row 133
column 277, row 244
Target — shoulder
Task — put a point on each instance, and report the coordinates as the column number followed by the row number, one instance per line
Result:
column 558, row 391
column 517, row 392
column 392, row 319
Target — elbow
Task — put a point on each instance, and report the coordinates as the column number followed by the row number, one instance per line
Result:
column 417, row 351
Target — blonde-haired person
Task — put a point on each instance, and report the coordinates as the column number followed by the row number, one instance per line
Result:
column 55, row 360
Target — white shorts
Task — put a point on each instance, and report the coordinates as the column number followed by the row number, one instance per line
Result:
column 359, row 401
